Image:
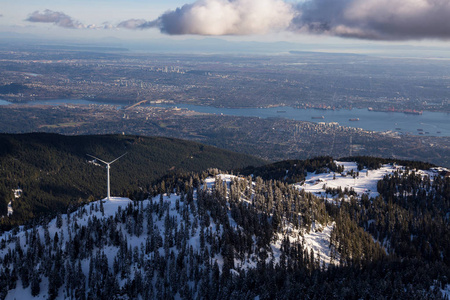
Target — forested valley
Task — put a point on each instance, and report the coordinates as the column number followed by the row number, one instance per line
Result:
column 55, row 173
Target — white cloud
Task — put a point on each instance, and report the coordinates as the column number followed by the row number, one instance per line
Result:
column 363, row 19
column 222, row 17
column 132, row 24
column 58, row 18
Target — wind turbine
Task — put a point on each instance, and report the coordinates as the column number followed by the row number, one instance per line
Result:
column 107, row 170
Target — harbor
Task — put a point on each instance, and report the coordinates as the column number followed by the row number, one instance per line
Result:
column 399, row 122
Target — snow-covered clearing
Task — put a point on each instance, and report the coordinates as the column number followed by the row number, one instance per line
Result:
column 225, row 178
column 362, row 182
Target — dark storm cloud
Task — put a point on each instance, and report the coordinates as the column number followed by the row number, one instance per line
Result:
column 375, row 19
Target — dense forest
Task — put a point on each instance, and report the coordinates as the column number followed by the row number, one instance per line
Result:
column 232, row 238
column 54, row 171
column 188, row 231
column 370, row 162
column 12, row 88
column 291, row 171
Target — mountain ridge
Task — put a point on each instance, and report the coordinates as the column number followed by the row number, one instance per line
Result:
column 235, row 237
column 54, row 171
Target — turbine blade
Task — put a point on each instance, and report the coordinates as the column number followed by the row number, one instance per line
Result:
column 97, row 158
column 118, row 158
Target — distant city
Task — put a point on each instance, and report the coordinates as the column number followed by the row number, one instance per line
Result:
column 137, row 93
column 298, row 79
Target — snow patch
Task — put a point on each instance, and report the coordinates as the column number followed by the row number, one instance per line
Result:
column 446, row 291
column 318, row 239
column 362, row 182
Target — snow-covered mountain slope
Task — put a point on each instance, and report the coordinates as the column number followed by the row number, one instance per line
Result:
column 242, row 237
column 134, row 248
column 316, row 239
column 360, row 181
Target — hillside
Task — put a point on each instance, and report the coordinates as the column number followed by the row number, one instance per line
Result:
column 195, row 244
column 54, row 171
column 229, row 237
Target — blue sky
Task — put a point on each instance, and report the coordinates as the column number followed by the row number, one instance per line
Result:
column 15, row 13
column 365, row 22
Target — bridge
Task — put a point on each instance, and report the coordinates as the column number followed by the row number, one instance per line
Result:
column 136, row 104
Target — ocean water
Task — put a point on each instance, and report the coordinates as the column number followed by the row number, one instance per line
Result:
column 427, row 124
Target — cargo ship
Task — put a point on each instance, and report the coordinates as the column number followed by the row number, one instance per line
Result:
column 392, row 109
column 354, row 119
column 316, row 118
column 413, row 112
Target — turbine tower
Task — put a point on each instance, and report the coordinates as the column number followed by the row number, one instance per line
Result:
column 107, row 170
